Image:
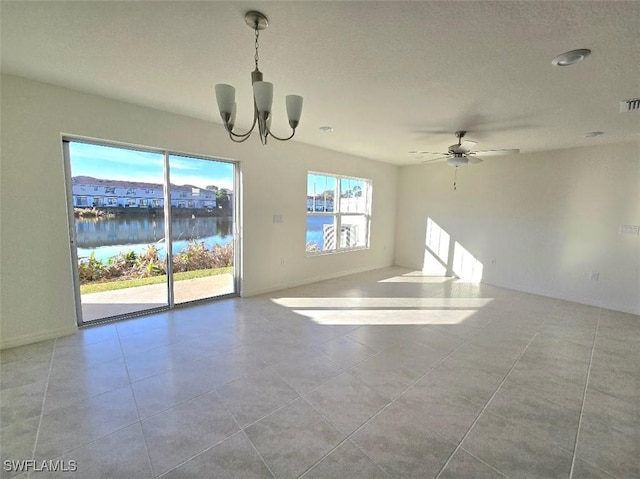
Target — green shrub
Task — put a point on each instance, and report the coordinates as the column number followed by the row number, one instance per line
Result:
column 129, row 265
column 90, row 269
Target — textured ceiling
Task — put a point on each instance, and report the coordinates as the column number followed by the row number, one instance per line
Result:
column 390, row 77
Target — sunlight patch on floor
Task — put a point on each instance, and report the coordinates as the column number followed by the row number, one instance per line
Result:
column 384, row 311
column 418, row 278
column 388, row 318
column 363, row 304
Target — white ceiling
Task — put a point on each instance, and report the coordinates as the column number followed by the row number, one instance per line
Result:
column 390, row 77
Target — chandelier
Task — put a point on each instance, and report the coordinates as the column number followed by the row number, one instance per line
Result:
column 262, row 97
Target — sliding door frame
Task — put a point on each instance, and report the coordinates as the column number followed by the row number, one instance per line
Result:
column 72, row 231
column 236, row 228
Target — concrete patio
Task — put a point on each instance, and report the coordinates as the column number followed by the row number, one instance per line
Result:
column 132, row 300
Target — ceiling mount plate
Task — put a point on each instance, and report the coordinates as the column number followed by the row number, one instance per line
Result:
column 256, row 20
column 460, row 134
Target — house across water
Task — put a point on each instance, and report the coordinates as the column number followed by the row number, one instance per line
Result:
column 89, row 192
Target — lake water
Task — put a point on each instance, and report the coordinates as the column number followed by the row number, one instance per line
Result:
column 109, row 237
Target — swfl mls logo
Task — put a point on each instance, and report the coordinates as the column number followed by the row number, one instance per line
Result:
column 26, row 465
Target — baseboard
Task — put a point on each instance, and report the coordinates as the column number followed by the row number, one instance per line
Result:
column 623, row 308
column 37, row 337
column 303, row 282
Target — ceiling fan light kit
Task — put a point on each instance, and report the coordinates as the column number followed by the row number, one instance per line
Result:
column 457, row 160
column 262, row 96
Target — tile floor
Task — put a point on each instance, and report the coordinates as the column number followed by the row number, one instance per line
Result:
column 382, row 374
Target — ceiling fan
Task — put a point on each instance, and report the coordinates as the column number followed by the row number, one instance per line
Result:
column 461, row 153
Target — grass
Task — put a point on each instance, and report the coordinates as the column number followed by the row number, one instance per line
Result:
column 132, row 283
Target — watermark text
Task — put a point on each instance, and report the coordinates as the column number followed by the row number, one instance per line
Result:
column 33, row 465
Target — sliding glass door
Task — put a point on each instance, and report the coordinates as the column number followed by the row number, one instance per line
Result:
column 125, row 203
column 202, row 228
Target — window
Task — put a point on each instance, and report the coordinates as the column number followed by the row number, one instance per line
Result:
column 338, row 213
column 82, row 201
column 109, row 189
column 112, row 201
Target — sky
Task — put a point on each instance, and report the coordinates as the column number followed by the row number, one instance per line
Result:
column 110, row 163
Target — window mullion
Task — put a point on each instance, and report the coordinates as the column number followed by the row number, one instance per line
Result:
column 351, row 212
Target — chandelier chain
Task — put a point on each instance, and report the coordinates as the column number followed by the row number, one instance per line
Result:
column 257, row 45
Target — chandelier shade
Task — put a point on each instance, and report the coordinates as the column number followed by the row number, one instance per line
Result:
column 294, row 109
column 263, row 94
column 226, row 96
column 262, row 97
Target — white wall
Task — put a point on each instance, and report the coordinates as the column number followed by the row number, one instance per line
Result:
column 36, row 296
column 547, row 219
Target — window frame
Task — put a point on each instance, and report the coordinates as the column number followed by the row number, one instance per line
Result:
column 339, row 215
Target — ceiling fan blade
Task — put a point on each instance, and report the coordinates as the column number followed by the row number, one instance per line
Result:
column 441, row 153
column 466, row 146
column 435, row 159
column 499, row 152
column 474, row 159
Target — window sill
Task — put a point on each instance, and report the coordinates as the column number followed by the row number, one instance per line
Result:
column 339, row 251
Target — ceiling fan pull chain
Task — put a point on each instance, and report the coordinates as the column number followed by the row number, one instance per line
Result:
column 455, row 178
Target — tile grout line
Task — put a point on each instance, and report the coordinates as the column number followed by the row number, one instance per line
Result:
column 135, row 402
column 241, row 428
column 89, row 398
column 242, row 431
column 459, row 446
column 44, row 399
column 584, row 396
column 349, row 436
column 485, row 463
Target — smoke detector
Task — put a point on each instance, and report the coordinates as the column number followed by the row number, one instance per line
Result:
column 571, row 58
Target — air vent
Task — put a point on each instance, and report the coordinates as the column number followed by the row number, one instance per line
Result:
column 630, row 105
